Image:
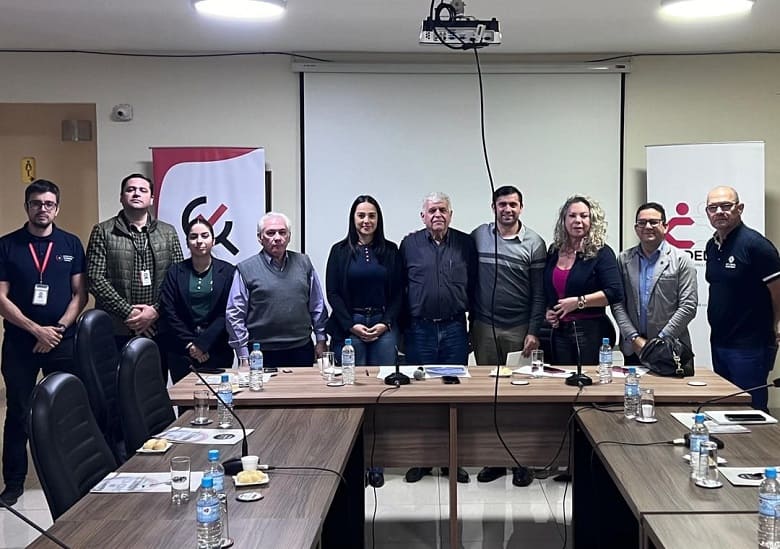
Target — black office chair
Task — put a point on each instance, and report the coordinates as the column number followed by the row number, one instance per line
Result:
column 96, row 364
column 144, row 406
column 68, row 449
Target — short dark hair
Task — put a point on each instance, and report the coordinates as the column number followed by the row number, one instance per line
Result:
column 652, row 206
column 507, row 190
column 198, row 221
column 133, row 176
column 40, row 186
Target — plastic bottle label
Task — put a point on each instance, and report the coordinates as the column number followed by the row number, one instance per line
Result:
column 208, row 512
column 695, row 444
column 227, row 396
column 219, row 482
column 766, row 504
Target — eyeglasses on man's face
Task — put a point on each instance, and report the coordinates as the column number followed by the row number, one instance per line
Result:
column 645, row 222
column 725, row 207
column 48, row 205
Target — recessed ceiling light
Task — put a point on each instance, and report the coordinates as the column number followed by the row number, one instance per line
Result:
column 705, row 8
column 241, row 9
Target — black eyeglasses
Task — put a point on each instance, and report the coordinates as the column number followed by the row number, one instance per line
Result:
column 646, row 222
column 722, row 206
column 41, row 204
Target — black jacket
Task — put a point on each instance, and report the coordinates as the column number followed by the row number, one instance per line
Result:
column 177, row 313
column 340, row 320
column 587, row 276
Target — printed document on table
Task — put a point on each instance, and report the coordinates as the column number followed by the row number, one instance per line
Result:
column 125, row 483
column 431, row 371
column 203, row 436
column 715, row 428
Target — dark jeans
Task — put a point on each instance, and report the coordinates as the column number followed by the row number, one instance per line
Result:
column 746, row 368
column 429, row 342
column 20, row 371
column 565, row 341
column 298, row 356
column 381, row 352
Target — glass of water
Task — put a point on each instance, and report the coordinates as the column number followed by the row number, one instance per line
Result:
column 708, row 466
column 647, row 405
column 327, row 363
column 537, row 363
column 180, row 479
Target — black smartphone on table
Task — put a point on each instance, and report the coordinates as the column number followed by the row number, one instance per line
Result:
column 450, row 380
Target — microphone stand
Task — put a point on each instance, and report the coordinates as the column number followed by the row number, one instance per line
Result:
column 579, row 379
column 397, row 378
column 774, row 383
column 31, row 523
column 232, row 466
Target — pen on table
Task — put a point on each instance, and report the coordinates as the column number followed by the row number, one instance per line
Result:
column 367, row 375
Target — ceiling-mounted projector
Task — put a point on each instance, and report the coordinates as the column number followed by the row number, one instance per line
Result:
column 458, row 30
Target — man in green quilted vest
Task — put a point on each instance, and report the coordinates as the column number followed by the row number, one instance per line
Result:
column 127, row 258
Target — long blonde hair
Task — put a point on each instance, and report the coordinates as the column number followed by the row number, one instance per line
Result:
column 597, row 235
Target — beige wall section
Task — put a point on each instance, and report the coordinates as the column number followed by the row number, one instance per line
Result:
column 699, row 99
column 35, row 130
column 236, row 101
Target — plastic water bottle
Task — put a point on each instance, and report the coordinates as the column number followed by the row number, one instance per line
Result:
column 223, row 410
column 631, row 395
column 768, row 500
column 348, row 362
column 256, row 368
column 699, row 434
column 605, row 362
column 208, row 515
column 216, row 472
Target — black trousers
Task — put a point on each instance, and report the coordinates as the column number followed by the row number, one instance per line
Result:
column 20, row 370
column 581, row 338
column 298, row 356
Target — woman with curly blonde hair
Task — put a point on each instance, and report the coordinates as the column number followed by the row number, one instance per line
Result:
column 581, row 278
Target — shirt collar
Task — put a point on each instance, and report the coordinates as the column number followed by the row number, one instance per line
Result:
column 269, row 259
column 518, row 236
column 653, row 256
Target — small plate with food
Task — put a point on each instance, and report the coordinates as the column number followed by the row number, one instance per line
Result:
column 502, row 372
column 155, row 446
column 250, row 478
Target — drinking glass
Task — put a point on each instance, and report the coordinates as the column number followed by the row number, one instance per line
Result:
column 180, row 479
column 201, row 411
column 708, row 466
column 537, row 363
column 327, row 363
column 647, row 405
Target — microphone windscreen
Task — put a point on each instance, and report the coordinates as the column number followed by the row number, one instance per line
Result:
column 776, row 382
column 419, row 374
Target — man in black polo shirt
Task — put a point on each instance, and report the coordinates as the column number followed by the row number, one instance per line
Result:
column 42, row 291
column 440, row 266
column 743, row 270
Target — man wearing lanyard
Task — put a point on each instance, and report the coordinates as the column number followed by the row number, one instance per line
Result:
column 42, row 291
column 127, row 259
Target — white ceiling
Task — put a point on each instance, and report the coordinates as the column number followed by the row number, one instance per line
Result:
column 543, row 26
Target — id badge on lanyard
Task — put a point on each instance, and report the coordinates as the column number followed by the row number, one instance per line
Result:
column 41, row 290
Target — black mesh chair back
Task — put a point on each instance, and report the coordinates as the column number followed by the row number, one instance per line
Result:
column 144, row 406
column 68, row 449
column 96, row 364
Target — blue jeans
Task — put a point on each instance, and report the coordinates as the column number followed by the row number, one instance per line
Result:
column 444, row 342
column 746, row 368
column 381, row 352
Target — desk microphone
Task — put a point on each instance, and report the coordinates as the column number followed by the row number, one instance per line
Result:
column 774, row 383
column 31, row 523
column 397, row 378
column 579, row 379
column 232, row 466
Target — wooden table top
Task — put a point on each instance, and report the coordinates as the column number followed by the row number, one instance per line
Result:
column 655, row 479
column 714, row 531
column 305, row 386
column 290, row 514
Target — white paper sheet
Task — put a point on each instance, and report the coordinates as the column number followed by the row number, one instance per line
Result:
column 431, row 370
column 203, row 436
column 714, row 428
column 125, row 483
column 743, row 476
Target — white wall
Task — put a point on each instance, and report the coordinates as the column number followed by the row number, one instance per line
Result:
column 238, row 101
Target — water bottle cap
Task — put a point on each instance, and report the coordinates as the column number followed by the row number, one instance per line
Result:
column 206, row 482
column 225, row 378
column 255, row 346
column 348, row 341
column 699, row 418
column 213, row 455
column 770, row 472
column 631, row 370
column 605, row 341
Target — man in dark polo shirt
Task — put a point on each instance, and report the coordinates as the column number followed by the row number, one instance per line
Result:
column 42, row 291
column 743, row 270
column 440, row 266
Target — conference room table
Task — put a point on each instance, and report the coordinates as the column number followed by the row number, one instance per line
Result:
column 428, row 423
column 635, row 485
column 300, row 507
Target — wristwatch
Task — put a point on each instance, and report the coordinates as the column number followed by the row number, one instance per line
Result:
column 581, row 302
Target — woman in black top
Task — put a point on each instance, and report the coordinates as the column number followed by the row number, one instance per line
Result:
column 581, row 278
column 364, row 284
column 193, row 299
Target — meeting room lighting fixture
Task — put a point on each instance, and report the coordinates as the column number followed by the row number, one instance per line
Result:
column 705, row 8
column 241, row 9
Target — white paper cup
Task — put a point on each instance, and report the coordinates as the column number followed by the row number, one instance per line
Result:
column 249, row 463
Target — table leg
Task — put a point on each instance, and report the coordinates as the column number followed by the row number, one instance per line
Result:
column 454, row 534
